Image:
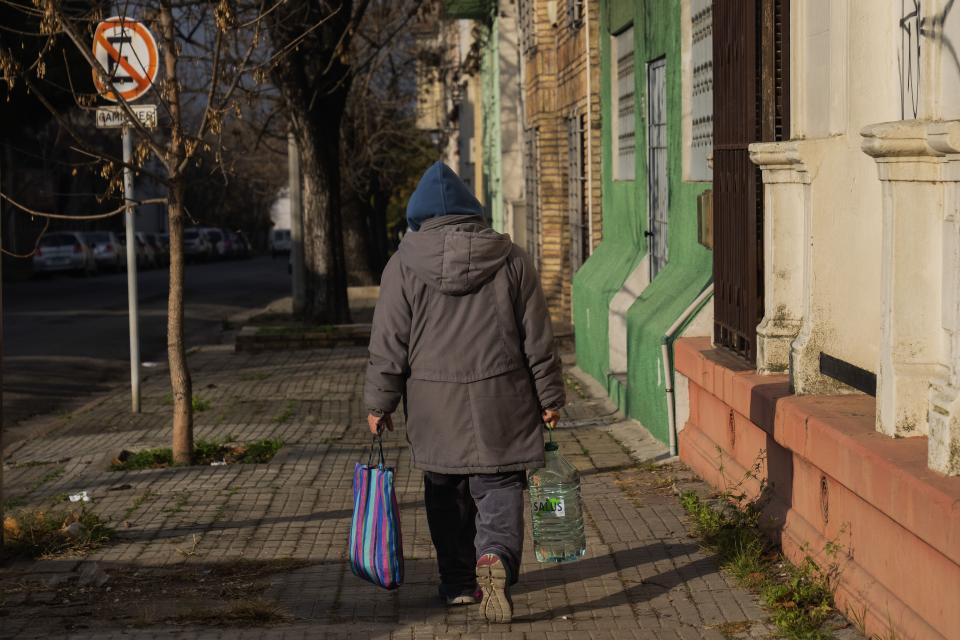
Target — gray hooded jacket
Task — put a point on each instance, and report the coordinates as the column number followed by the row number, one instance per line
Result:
column 461, row 331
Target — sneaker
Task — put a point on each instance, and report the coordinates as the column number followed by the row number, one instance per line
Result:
column 494, row 583
column 455, row 596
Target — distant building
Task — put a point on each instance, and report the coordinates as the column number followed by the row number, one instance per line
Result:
column 560, row 68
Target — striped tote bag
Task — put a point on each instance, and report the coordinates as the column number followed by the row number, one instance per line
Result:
column 376, row 546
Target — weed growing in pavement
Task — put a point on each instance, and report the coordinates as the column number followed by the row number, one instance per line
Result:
column 288, row 412
column 10, row 504
column 38, row 534
column 144, row 459
column 137, row 503
column 205, row 453
column 800, row 597
column 260, row 451
column 198, row 403
column 181, row 501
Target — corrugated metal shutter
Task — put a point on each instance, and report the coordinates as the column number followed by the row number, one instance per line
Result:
column 626, row 118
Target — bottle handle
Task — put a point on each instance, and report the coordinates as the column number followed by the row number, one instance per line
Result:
column 549, row 432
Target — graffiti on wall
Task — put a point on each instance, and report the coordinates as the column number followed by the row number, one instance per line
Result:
column 909, row 58
column 914, row 28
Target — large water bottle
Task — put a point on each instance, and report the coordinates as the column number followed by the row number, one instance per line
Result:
column 557, row 514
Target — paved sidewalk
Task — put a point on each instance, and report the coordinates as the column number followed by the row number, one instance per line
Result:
column 259, row 550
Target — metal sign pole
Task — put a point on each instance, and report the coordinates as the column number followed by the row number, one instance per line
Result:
column 131, row 272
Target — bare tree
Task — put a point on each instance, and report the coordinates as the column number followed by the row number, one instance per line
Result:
column 385, row 152
column 224, row 49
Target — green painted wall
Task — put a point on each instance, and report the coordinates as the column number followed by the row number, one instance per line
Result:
column 657, row 34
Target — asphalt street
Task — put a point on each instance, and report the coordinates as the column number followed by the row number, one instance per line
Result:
column 66, row 337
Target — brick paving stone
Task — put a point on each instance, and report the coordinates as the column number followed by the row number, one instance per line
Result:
column 642, row 576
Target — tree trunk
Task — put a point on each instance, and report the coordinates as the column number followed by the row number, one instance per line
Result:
column 326, row 278
column 180, row 383
column 356, row 239
column 379, row 243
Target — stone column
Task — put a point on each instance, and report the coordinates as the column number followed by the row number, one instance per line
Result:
column 786, row 197
column 919, row 370
column 943, row 448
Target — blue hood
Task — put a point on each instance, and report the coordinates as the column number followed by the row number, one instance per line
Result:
column 440, row 192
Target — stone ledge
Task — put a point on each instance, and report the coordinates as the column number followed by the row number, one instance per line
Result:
column 906, row 518
column 836, row 434
column 857, row 590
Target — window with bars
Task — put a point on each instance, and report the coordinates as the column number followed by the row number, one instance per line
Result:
column 577, row 193
column 528, row 25
column 532, row 193
column 624, row 106
column 575, row 9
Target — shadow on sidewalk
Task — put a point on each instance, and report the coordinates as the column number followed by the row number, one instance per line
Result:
column 647, row 590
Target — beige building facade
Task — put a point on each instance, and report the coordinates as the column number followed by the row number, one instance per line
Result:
column 861, row 241
column 559, row 43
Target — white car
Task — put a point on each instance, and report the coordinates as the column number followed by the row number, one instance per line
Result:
column 279, row 241
column 107, row 250
column 217, row 241
column 195, row 245
column 64, row 251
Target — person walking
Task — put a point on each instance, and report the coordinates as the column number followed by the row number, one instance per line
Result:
column 462, row 336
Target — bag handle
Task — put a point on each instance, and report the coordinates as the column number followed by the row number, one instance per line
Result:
column 377, row 443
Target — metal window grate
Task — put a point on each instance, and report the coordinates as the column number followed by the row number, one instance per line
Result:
column 657, row 184
column 575, row 11
column 578, row 212
column 736, row 254
column 528, row 25
column 751, row 98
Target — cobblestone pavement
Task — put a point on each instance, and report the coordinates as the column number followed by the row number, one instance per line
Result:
column 250, row 551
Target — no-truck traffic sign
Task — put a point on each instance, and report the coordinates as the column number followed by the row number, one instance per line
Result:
column 127, row 51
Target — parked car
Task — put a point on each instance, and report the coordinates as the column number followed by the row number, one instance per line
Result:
column 163, row 239
column 161, row 255
column 239, row 245
column 217, row 241
column 144, row 257
column 152, row 260
column 248, row 246
column 107, row 250
column 64, row 251
column 279, row 242
column 196, row 245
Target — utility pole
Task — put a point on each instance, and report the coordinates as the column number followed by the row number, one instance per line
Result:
column 296, row 224
column 2, row 515
column 133, row 312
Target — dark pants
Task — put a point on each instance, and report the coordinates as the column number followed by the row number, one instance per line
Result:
column 472, row 515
